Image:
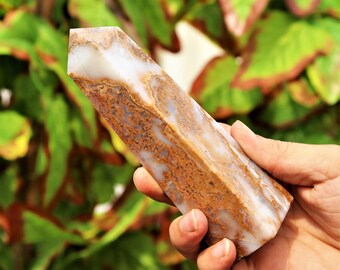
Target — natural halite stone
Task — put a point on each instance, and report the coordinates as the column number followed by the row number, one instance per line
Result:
column 195, row 161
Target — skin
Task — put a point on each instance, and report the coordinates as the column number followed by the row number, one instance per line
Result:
column 309, row 237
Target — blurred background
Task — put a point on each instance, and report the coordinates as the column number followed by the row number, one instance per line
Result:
column 67, row 200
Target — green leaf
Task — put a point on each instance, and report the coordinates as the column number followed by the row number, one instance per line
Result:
column 155, row 207
column 41, row 161
column 31, row 38
column 281, row 48
column 149, row 14
column 301, row 92
column 44, row 81
column 239, row 15
column 188, row 265
column 92, row 13
column 59, row 144
column 283, row 111
column 216, row 96
column 15, row 133
column 46, row 251
column 156, row 21
column 10, row 4
column 7, row 258
column 303, row 7
column 126, row 215
column 208, row 18
column 24, row 90
column 68, row 211
column 11, row 124
column 135, row 251
column 79, row 130
column 9, row 69
column 18, row 36
column 52, row 48
column 132, row 9
column 322, row 128
column 20, row 26
column 58, row 14
column 41, row 230
column 105, row 177
column 121, row 147
column 331, row 7
column 8, row 185
column 324, row 72
column 179, row 7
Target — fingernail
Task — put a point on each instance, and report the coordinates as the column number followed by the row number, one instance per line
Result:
column 188, row 222
column 139, row 172
column 221, row 249
column 244, row 127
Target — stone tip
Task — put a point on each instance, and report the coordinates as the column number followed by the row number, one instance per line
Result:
column 94, row 30
column 95, row 35
column 107, row 53
column 85, row 45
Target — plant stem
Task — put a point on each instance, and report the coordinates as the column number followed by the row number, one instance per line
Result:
column 44, row 8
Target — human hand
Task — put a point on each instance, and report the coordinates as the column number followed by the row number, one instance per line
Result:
column 309, row 237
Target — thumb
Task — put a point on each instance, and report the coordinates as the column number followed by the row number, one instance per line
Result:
column 294, row 163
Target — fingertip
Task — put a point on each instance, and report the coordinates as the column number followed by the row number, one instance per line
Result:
column 200, row 220
column 187, row 232
column 146, row 184
column 240, row 131
column 192, row 222
column 221, row 255
column 246, row 138
column 237, row 125
column 221, row 249
column 138, row 177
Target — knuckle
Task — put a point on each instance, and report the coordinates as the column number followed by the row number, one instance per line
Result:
column 280, row 152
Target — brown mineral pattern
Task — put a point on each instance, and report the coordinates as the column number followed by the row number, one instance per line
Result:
column 196, row 162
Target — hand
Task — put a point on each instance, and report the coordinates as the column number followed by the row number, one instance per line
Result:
column 309, row 237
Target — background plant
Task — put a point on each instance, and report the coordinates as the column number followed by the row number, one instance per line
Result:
column 58, row 159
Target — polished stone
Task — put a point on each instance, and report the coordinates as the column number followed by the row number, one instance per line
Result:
column 195, row 161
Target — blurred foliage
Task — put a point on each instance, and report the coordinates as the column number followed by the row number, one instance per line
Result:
column 66, row 196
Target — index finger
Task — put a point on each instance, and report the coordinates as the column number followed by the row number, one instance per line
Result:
column 146, row 184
